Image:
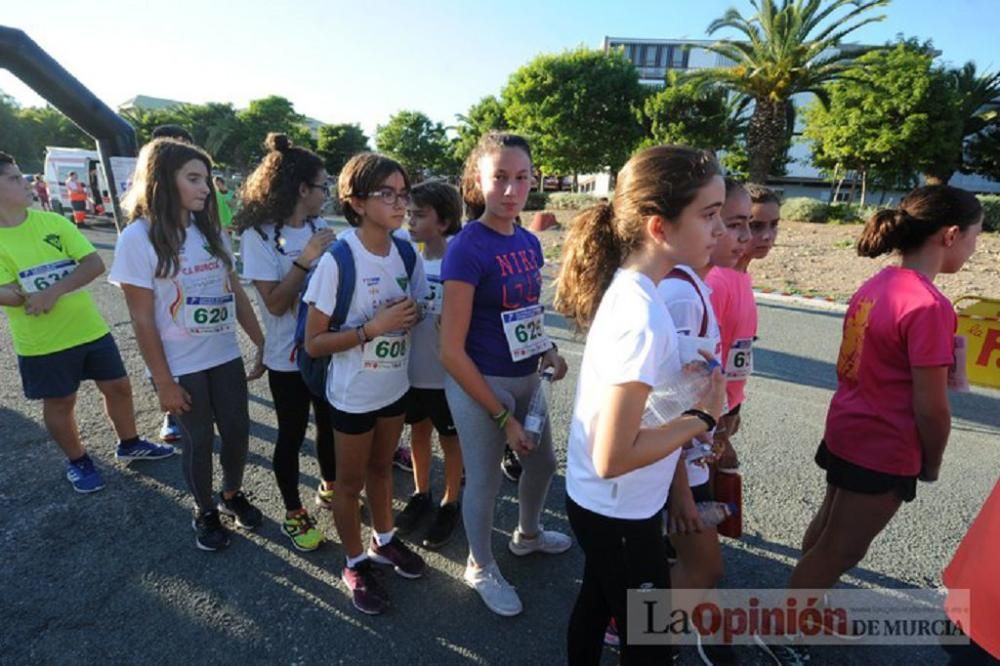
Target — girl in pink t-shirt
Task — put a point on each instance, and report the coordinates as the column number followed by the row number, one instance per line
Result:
column 889, row 419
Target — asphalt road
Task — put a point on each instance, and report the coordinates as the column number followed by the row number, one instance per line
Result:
column 115, row 577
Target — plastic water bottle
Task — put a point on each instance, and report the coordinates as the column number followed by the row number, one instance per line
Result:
column 666, row 403
column 713, row 513
column 538, row 409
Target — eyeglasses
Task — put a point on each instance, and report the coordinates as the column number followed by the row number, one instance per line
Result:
column 390, row 197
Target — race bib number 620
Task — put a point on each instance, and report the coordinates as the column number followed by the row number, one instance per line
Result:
column 209, row 315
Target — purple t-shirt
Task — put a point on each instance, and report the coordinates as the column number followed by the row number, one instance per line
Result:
column 507, row 274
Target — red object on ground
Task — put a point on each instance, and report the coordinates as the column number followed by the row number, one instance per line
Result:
column 728, row 488
column 542, row 221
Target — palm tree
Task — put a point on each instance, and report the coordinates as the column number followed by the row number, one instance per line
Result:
column 978, row 100
column 786, row 51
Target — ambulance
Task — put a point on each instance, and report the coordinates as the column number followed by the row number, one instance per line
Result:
column 59, row 162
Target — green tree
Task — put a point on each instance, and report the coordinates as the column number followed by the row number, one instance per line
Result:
column 269, row 114
column 485, row 115
column 416, row 142
column 580, row 109
column 787, row 47
column 978, row 108
column 686, row 114
column 214, row 126
column 895, row 116
column 27, row 131
column 338, row 143
column 982, row 153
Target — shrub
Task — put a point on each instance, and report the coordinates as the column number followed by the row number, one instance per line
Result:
column 991, row 212
column 537, row 201
column 804, row 209
column 571, row 201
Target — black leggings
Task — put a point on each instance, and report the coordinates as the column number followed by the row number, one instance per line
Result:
column 291, row 404
column 619, row 555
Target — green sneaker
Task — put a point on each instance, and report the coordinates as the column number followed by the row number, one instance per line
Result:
column 302, row 530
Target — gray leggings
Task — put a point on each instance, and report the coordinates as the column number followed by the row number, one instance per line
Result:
column 218, row 398
column 482, row 450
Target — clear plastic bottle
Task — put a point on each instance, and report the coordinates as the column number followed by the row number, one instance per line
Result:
column 713, row 513
column 538, row 409
column 666, row 403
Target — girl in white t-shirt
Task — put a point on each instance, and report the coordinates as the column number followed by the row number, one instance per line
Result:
column 367, row 379
column 665, row 212
column 175, row 268
column 435, row 216
column 282, row 238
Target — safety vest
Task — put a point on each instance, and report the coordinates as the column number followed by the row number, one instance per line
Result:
column 76, row 193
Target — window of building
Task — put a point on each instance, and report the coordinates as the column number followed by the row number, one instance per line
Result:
column 651, row 57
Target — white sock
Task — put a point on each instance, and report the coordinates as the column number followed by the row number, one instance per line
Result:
column 383, row 538
column 355, row 561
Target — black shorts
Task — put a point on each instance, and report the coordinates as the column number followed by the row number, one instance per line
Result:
column 703, row 492
column 430, row 404
column 58, row 375
column 845, row 474
column 359, row 424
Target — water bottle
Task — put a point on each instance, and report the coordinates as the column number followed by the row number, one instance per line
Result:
column 713, row 513
column 698, row 451
column 538, row 410
column 666, row 403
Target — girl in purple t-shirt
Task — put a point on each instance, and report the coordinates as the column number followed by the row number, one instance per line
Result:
column 493, row 346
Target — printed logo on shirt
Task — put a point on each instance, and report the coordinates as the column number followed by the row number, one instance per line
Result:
column 371, row 281
column 522, row 281
column 55, row 241
column 403, row 282
column 853, row 344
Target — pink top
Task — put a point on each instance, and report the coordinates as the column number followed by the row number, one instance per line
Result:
column 736, row 310
column 896, row 321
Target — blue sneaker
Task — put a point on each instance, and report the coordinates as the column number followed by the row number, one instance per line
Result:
column 170, row 432
column 143, row 450
column 84, row 475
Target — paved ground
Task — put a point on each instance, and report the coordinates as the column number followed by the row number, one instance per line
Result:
column 115, row 577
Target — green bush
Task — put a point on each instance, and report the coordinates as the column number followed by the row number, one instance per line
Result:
column 991, row 212
column 537, row 201
column 804, row 209
column 571, row 201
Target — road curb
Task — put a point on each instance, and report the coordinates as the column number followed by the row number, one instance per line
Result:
column 775, row 298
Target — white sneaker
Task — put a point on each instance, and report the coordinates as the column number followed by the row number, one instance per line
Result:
column 551, row 543
column 498, row 595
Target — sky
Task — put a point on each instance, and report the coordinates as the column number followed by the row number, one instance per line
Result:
column 362, row 62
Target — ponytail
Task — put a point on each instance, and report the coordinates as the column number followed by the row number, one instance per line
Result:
column 880, row 233
column 591, row 255
column 921, row 214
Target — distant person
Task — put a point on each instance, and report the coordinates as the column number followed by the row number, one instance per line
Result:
column 42, row 192
column 889, row 419
column 222, row 197
column 185, row 299
column 59, row 335
column 77, row 198
column 95, row 192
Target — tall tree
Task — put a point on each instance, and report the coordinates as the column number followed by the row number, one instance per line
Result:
column 982, row 154
column 214, row 126
column 580, row 109
column 338, row 143
column 978, row 107
column 787, row 47
column 418, row 143
column 485, row 115
column 686, row 114
column 269, row 114
column 894, row 117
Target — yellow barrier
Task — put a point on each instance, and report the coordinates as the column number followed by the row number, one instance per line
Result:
column 979, row 322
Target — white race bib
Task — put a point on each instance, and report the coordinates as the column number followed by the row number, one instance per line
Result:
column 386, row 352
column 739, row 362
column 525, row 332
column 435, row 296
column 210, row 315
column 40, row 278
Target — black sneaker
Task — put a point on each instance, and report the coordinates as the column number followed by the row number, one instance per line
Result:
column 239, row 507
column 443, row 525
column 210, row 535
column 510, row 465
column 416, row 507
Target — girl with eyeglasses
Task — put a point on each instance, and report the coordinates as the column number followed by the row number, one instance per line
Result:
column 368, row 379
column 282, row 238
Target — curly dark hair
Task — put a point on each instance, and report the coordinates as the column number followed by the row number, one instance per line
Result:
column 270, row 193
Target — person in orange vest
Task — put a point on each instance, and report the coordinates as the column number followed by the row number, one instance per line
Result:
column 973, row 568
column 77, row 198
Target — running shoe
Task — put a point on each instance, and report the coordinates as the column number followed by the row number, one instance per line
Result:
column 510, row 465
column 550, row 543
column 403, row 459
column 210, row 535
column 367, row 593
column 239, row 507
column 498, row 595
column 404, row 561
column 416, row 508
column 443, row 526
column 170, row 431
column 302, row 530
column 143, row 450
column 84, row 476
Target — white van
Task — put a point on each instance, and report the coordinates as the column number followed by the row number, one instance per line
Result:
column 59, row 162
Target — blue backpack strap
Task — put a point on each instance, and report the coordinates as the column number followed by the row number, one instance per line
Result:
column 346, row 276
column 407, row 253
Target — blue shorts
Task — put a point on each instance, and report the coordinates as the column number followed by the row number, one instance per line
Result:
column 59, row 374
